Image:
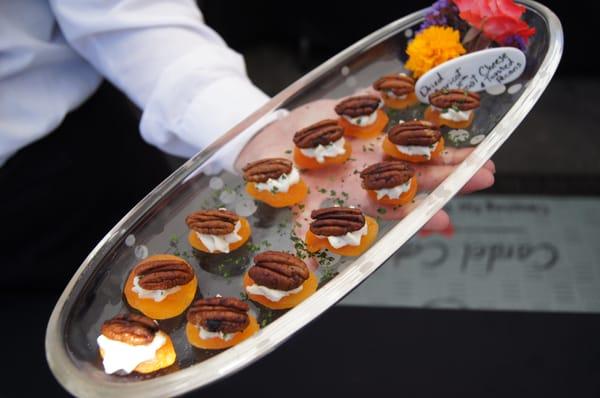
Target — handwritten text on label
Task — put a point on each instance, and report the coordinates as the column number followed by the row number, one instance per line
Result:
column 473, row 72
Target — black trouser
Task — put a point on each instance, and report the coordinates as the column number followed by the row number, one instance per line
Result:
column 63, row 193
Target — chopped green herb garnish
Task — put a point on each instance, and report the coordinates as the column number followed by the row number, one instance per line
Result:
column 266, row 316
column 252, row 248
column 224, row 272
column 327, row 274
column 266, row 243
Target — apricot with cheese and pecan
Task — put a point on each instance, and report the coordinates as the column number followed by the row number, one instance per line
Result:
column 217, row 230
column 397, row 91
column 361, row 116
column 390, row 182
column 130, row 342
column 219, row 322
column 274, row 181
column 415, row 141
column 161, row 286
column 320, row 145
column 452, row 107
column 279, row 280
column 342, row 230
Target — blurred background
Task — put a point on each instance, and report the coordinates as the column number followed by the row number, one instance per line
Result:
column 504, row 304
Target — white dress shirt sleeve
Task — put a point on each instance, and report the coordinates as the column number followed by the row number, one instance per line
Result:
column 191, row 87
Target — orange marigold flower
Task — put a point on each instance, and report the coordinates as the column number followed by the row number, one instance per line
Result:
column 431, row 47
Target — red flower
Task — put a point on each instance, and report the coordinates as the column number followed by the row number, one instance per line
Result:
column 497, row 19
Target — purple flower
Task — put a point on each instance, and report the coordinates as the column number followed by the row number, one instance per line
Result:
column 441, row 13
column 515, row 41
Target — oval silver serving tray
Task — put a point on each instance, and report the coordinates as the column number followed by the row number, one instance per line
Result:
column 156, row 224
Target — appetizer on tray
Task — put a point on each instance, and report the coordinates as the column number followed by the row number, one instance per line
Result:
column 161, row 286
column 454, row 108
column 361, row 116
column 217, row 230
column 416, row 141
column 390, row 182
column 341, row 230
column 134, row 343
column 397, row 91
column 216, row 323
column 275, row 181
column 279, row 280
column 320, row 145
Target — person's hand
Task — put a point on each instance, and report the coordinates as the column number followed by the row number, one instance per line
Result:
column 343, row 182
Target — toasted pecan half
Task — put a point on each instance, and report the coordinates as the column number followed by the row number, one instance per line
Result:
column 415, row 132
column 212, row 221
column 131, row 329
column 397, row 84
column 336, row 221
column 262, row 170
column 361, row 105
column 278, row 270
column 161, row 272
column 321, row 133
column 219, row 314
column 455, row 98
column 386, row 174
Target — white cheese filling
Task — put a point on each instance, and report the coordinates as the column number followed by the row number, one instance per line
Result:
column 391, row 94
column 156, row 295
column 205, row 334
column 271, row 294
column 349, row 239
column 362, row 121
column 454, row 114
column 220, row 243
column 395, row 192
column 417, row 150
column 281, row 184
column 122, row 356
column 320, row 152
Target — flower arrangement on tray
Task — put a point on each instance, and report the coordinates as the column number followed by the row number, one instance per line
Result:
column 455, row 27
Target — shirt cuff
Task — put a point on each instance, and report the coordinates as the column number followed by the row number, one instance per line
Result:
column 218, row 107
column 193, row 104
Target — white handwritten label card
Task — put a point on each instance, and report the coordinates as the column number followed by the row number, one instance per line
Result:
column 474, row 72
